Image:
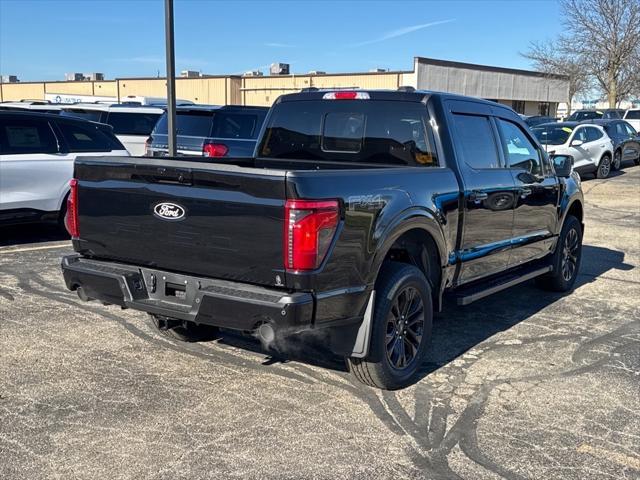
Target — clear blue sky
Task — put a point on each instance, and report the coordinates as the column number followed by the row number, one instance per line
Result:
column 41, row 40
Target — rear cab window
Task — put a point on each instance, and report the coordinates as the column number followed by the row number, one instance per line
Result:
column 363, row 131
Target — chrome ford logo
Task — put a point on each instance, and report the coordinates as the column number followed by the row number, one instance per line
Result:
column 168, row 211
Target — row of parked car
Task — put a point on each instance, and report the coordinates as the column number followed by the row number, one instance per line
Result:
column 600, row 141
column 43, row 139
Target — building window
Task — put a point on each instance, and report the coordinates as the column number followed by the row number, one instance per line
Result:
column 518, row 106
column 543, row 109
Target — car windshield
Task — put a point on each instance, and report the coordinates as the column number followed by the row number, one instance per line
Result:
column 552, row 135
column 632, row 115
column 584, row 115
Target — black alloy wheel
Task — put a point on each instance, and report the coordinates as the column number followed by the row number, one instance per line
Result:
column 405, row 327
column 570, row 252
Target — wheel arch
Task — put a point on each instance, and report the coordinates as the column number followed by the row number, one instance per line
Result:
column 417, row 240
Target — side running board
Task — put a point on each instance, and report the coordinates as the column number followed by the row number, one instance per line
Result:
column 471, row 293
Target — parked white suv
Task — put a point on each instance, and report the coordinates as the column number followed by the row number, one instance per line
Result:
column 589, row 145
column 36, row 161
column 632, row 116
column 132, row 124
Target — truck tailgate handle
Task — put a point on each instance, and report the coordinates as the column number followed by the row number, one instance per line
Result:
column 175, row 176
column 477, row 195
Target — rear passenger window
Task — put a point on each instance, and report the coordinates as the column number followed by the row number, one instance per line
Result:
column 132, row 123
column 81, row 138
column 233, row 125
column 518, row 149
column 476, row 138
column 593, row 134
column 18, row 136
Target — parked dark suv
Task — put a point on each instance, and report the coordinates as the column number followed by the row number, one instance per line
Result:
column 210, row 131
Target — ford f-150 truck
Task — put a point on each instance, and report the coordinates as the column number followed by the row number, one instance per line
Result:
column 358, row 213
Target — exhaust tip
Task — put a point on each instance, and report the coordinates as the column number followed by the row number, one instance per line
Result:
column 267, row 334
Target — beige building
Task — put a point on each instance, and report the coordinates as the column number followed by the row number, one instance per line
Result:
column 528, row 92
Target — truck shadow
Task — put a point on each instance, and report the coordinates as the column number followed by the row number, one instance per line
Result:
column 457, row 329
column 31, row 233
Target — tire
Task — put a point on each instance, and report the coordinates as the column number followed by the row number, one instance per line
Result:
column 567, row 256
column 617, row 161
column 394, row 358
column 184, row 331
column 604, row 167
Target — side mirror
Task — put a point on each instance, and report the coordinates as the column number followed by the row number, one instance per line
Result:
column 576, row 143
column 563, row 164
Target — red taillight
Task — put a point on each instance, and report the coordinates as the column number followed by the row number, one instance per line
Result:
column 71, row 218
column 309, row 229
column 214, row 150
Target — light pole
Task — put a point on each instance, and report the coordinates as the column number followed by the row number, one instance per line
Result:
column 171, row 76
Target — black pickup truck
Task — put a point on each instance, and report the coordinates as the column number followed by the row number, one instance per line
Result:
column 358, row 213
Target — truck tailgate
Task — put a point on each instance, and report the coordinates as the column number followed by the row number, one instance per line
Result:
column 219, row 221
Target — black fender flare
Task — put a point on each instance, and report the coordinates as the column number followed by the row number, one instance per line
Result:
column 414, row 218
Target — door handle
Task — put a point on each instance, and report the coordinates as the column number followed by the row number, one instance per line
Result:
column 476, row 196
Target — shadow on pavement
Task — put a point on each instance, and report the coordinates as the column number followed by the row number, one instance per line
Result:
column 31, row 233
column 457, row 329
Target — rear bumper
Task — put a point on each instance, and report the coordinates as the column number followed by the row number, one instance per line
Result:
column 202, row 300
column 222, row 303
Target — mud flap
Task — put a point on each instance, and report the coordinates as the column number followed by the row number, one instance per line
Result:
column 361, row 345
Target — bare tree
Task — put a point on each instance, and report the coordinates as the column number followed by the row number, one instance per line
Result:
column 604, row 35
column 549, row 57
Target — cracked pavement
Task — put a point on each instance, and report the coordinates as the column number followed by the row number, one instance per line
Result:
column 521, row 385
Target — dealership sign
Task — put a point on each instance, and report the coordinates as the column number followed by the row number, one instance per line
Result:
column 71, row 98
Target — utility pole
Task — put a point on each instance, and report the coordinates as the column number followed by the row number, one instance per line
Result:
column 171, row 76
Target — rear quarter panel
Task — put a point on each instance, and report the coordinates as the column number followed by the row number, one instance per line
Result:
column 378, row 205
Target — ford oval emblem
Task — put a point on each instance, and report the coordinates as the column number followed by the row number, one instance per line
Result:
column 168, row 211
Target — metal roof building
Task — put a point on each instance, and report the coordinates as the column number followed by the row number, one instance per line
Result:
column 527, row 92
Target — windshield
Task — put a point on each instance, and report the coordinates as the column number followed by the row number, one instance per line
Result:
column 552, row 135
column 584, row 115
column 382, row 132
column 632, row 115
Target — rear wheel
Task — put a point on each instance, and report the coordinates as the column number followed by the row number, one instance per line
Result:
column 617, row 160
column 604, row 167
column 401, row 329
column 566, row 259
column 183, row 330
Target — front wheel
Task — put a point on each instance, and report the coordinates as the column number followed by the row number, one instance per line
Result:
column 604, row 167
column 566, row 259
column 401, row 329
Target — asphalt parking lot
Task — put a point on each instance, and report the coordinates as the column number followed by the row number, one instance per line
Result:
column 521, row 385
